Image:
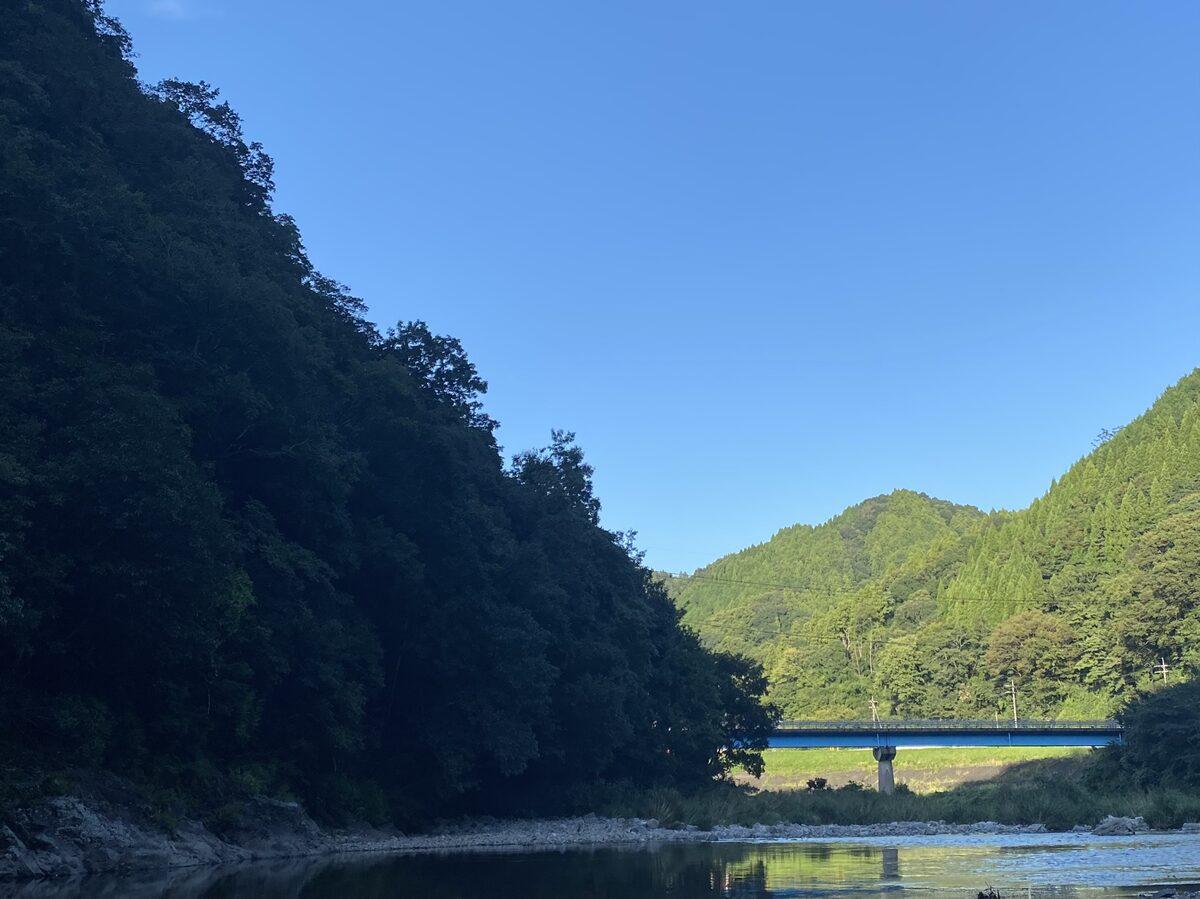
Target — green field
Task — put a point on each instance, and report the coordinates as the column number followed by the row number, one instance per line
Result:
column 1057, row 792
column 924, row 770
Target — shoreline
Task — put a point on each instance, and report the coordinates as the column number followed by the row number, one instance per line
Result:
column 68, row 836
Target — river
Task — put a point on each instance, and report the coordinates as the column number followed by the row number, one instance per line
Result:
column 1050, row 865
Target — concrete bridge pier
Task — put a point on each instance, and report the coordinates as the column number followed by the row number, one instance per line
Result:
column 887, row 777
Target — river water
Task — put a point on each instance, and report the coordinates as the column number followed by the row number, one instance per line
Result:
column 1047, row 865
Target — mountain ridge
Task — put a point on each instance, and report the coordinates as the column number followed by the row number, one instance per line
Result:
column 904, row 590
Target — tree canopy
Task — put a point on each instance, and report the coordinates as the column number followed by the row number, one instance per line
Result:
column 247, row 536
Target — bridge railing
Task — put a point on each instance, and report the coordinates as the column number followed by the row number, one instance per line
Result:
column 942, row 724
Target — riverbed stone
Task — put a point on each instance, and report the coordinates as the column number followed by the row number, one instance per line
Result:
column 1117, row 826
column 69, row 836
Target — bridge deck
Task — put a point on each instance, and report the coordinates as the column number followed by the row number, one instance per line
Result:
column 949, row 724
column 1025, row 732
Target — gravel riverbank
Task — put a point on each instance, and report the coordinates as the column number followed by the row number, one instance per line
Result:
column 67, row 835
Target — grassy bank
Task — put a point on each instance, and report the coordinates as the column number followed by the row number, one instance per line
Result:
column 922, row 770
column 1053, row 792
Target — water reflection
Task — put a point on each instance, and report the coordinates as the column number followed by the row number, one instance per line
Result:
column 891, row 863
column 1045, row 866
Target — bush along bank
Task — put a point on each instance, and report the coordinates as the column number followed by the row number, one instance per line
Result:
column 1054, row 796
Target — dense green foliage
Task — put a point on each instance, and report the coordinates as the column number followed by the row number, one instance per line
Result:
column 817, row 605
column 933, row 609
column 1162, row 741
column 246, row 537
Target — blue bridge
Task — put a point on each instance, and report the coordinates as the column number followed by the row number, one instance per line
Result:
column 885, row 737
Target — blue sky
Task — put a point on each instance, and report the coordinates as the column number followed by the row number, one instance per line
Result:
column 765, row 259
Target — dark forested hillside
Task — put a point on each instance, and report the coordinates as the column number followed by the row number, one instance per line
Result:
column 932, row 609
column 248, row 540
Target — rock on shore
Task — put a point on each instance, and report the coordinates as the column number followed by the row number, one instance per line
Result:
column 67, row 836
column 1115, row 826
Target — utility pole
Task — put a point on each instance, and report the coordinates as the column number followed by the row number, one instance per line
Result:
column 874, row 712
column 1162, row 668
column 1012, row 691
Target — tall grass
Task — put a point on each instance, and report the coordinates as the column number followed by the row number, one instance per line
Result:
column 1057, row 794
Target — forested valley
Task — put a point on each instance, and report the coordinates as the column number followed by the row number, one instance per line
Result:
column 252, row 544
column 1085, row 599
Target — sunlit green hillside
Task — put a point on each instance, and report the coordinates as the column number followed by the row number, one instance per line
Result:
column 931, row 609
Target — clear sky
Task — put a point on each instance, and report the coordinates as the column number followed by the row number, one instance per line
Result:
column 767, row 259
